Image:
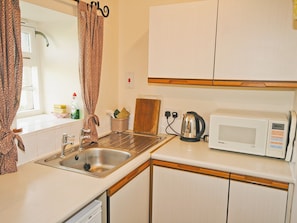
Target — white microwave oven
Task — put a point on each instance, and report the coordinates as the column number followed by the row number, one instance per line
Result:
column 251, row 132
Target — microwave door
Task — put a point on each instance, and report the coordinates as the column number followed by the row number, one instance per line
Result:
column 245, row 136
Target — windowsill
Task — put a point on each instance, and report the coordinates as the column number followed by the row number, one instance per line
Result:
column 41, row 122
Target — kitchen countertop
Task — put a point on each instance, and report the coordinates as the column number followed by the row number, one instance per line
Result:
column 199, row 154
column 38, row 193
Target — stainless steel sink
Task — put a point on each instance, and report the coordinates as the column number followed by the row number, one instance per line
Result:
column 96, row 160
column 102, row 158
column 93, row 161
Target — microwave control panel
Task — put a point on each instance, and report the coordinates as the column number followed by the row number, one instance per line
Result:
column 277, row 139
column 277, row 135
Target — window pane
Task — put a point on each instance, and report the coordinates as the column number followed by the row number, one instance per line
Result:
column 26, row 42
column 29, row 102
column 30, row 92
column 27, row 77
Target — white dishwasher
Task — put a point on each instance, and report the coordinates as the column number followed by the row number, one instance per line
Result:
column 92, row 213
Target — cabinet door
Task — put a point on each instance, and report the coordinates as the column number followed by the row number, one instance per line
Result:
column 182, row 40
column 257, row 204
column 180, row 196
column 256, row 41
column 130, row 204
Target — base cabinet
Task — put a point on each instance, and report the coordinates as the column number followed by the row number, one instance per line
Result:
column 181, row 196
column 182, row 193
column 130, row 204
column 254, row 203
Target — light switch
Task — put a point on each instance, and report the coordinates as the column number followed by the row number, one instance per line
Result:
column 130, row 80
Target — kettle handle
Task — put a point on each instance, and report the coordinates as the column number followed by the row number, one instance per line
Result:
column 199, row 118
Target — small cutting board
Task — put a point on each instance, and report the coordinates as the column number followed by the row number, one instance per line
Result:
column 146, row 119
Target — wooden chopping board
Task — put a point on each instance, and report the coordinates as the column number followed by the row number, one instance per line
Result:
column 146, row 119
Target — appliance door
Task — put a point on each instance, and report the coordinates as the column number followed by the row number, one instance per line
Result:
column 238, row 134
column 92, row 213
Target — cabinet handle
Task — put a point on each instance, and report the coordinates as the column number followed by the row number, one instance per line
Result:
column 193, row 169
column 253, row 84
column 239, row 83
column 180, row 81
column 226, row 83
column 260, row 181
column 113, row 189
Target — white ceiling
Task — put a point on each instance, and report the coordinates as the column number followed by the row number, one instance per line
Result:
column 40, row 14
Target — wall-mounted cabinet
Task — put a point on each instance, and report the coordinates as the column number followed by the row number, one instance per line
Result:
column 230, row 43
column 182, row 40
column 256, row 41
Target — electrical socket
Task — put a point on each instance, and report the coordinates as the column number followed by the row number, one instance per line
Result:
column 171, row 113
column 174, row 114
column 167, row 114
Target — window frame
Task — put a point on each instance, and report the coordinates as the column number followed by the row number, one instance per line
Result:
column 30, row 59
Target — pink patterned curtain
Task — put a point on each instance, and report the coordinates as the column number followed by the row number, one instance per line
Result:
column 90, row 32
column 11, row 66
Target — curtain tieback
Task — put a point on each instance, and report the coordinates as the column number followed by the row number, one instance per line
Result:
column 7, row 138
column 93, row 118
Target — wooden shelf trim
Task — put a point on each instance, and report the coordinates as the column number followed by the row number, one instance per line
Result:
column 226, row 83
column 251, row 83
column 193, row 169
column 260, row 181
column 222, row 174
column 179, row 81
column 117, row 186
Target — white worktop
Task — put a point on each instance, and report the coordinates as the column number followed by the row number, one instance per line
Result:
column 38, row 193
column 199, row 154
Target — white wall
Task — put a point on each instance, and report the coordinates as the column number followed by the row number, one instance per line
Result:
column 46, row 140
column 126, row 50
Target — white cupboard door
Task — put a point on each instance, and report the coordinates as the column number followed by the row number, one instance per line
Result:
column 180, row 196
column 131, row 203
column 182, row 40
column 257, row 204
column 256, row 41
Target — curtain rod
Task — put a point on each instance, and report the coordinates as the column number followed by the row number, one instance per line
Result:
column 104, row 11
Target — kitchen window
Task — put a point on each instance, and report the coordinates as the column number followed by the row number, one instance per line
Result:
column 30, row 95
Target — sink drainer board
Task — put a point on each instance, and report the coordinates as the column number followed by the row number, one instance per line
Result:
column 129, row 141
column 100, row 159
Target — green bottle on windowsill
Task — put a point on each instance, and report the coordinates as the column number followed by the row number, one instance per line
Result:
column 74, row 107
